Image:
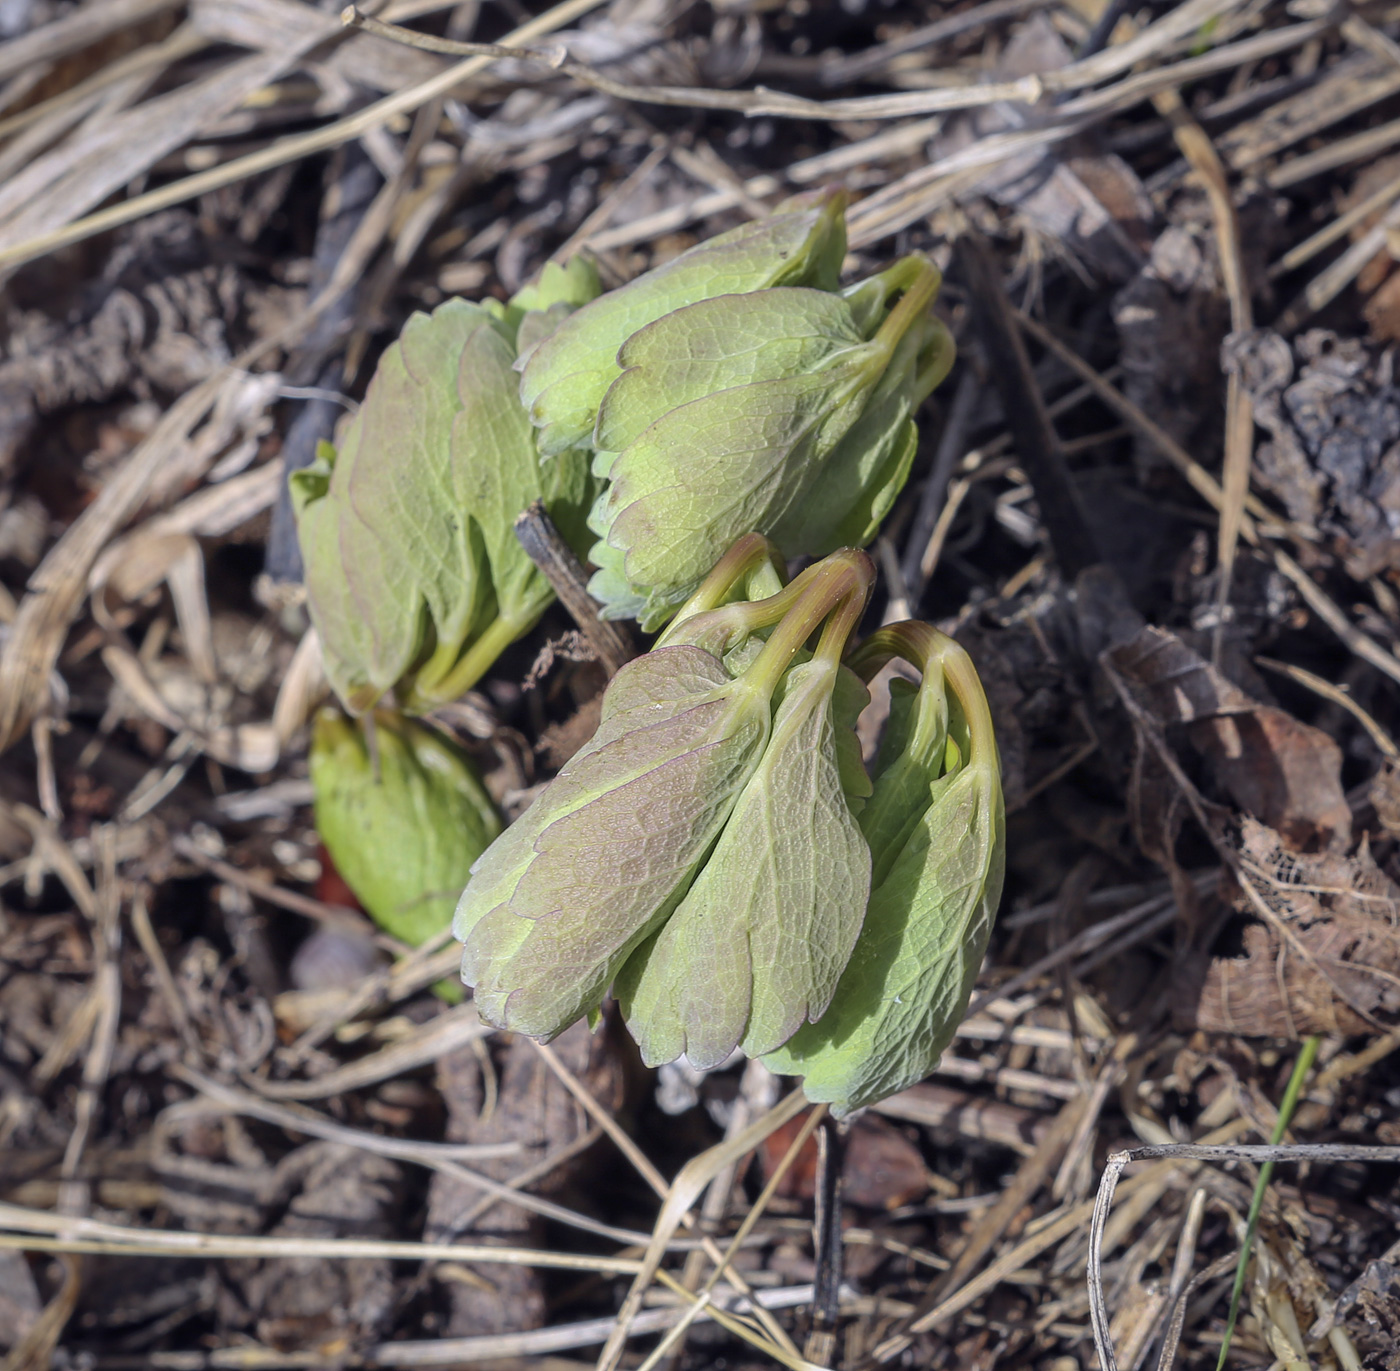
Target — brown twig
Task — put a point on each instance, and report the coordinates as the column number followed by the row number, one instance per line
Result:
column 559, row 565
column 1032, row 433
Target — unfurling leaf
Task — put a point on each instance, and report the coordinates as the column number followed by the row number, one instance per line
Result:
column 564, row 377
column 757, row 945
column 414, row 579
column 557, row 903
column 404, row 822
column 785, row 411
column 611, row 849
column 936, row 827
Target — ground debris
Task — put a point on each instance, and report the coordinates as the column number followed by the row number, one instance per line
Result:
column 1332, row 409
column 201, row 1033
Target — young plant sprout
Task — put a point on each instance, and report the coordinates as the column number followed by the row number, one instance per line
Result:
column 565, row 376
column 936, row 825
column 718, row 855
column 616, row 841
column 787, row 412
column 414, row 578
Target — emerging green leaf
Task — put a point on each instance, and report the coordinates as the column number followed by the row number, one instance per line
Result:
column 404, row 833
column 564, row 378
column 758, row 943
column 390, row 559
column 936, row 827
column 770, row 412
column 559, row 901
column 610, row 849
column 414, row 578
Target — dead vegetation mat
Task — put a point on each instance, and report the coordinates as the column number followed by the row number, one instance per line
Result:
column 1158, row 500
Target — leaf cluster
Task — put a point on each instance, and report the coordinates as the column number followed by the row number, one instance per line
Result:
column 718, row 855
column 415, row 581
column 737, row 390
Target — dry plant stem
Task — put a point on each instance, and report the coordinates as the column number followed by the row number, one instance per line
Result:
column 1033, row 435
column 538, row 1342
column 1200, row 480
column 182, row 43
column 106, row 994
column 291, row 149
column 421, row 967
column 36, row 1231
column 160, row 968
column 529, row 1177
column 34, row 1351
column 436, row 1156
column 687, row 1188
column 1198, row 1152
column 1072, row 1221
column 1030, row 1177
column 794, row 1150
column 742, row 1328
column 599, row 219
column 420, row 1047
column 104, row 997
column 845, row 70
column 1181, row 1271
column 1197, row 148
column 299, row 1119
column 1331, row 614
column 933, row 496
column 333, row 916
column 546, row 548
column 1094, row 936
column 715, row 1205
column 667, row 1193
column 58, row 587
column 1172, row 29
column 763, row 101
column 74, row 31
column 1333, row 279
column 1338, row 696
column 1323, row 239
column 1176, row 1325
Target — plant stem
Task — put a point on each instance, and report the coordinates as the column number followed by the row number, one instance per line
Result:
column 1291, row 1094
column 499, row 634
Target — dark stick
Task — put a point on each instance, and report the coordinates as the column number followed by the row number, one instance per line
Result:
column 950, row 452
column 316, row 361
column 826, row 1288
column 1031, row 430
column 563, row 570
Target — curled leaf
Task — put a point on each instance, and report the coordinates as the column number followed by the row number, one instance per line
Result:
column 404, row 824
column 414, row 579
column 758, row 943
column 565, row 376
column 555, row 906
column 391, row 563
column 936, row 827
column 606, row 854
column 773, row 412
